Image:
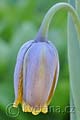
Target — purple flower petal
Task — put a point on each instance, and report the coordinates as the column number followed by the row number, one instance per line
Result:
column 39, row 67
column 19, row 63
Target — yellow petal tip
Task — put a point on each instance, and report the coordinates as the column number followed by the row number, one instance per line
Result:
column 44, row 109
column 15, row 105
column 36, row 111
column 26, row 108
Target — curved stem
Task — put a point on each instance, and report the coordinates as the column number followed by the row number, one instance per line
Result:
column 43, row 31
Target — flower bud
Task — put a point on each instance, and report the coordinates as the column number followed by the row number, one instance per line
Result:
column 35, row 76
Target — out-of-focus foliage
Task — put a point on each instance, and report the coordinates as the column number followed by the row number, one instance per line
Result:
column 19, row 22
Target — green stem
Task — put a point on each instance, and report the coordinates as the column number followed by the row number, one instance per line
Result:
column 43, row 31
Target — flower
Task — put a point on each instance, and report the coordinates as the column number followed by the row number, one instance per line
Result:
column 35, row 76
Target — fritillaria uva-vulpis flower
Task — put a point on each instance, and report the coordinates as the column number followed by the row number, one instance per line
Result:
column 36, row 75
column 37, row 68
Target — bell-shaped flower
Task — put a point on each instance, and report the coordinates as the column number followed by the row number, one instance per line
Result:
column 35, row 76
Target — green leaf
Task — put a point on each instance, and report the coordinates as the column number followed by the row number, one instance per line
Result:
column 78, row 6
column 74, row 68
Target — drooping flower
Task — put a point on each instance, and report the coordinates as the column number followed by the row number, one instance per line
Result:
column 35, row 76
column 37, row 67
column 36, row 71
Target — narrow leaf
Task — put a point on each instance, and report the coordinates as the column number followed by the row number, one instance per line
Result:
column 74, row 68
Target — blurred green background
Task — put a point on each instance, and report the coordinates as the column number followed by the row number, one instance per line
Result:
column 19, row 22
